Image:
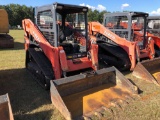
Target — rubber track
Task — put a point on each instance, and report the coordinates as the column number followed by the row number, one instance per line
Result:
column 157, row 52
column 109, row 59
column 123, row 61
column 43, row 63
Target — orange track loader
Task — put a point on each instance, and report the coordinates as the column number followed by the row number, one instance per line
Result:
column 61, row 57
column 123, row 39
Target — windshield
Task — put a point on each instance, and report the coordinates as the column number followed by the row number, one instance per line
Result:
column 116, row 22
column 123, row 26
column 75, row 20
column 154, row 27
column 138, row 23
column 72, row 32
column 154, row 24
column 118, row 25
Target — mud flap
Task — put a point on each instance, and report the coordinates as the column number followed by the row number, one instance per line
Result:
column 148, row 70
column 83, row 95
column 5, row 108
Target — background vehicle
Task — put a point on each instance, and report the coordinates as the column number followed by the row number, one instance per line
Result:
column 59, row 52
column 123, row 39
column 6, row 41
column 153, row 28
column 153, row 25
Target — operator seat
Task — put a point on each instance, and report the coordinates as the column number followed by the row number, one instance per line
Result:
column 69, row 48
column 68, row 31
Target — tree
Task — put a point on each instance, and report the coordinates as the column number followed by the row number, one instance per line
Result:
column 100, row 16
column 95, row 15
column 16, row 13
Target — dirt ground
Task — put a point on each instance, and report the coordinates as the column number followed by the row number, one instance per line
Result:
column 30, row 102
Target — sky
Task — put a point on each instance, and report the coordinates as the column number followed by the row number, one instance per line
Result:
column 150, row 6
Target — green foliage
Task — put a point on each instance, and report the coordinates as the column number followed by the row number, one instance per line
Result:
column 95, row 15
column 17, row 13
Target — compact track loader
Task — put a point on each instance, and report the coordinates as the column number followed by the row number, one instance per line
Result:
column 6, row 41
column 61, row 57
column 123, row 41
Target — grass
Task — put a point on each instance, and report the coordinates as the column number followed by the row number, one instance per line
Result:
column 30, row 102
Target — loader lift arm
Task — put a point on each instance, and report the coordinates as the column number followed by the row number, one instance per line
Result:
column 32, row 34
column 128, row 46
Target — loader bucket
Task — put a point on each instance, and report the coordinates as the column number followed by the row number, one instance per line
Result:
column 81, row 96
column 148, row 70
column 5, row 108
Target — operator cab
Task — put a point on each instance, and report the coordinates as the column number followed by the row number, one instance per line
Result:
column 127, row 24
column 64, row 25
column 123, row 24
column 153, row 25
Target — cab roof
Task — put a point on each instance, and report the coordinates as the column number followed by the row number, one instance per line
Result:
column 154, row 18
column 131, row 13
column 68, row 8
